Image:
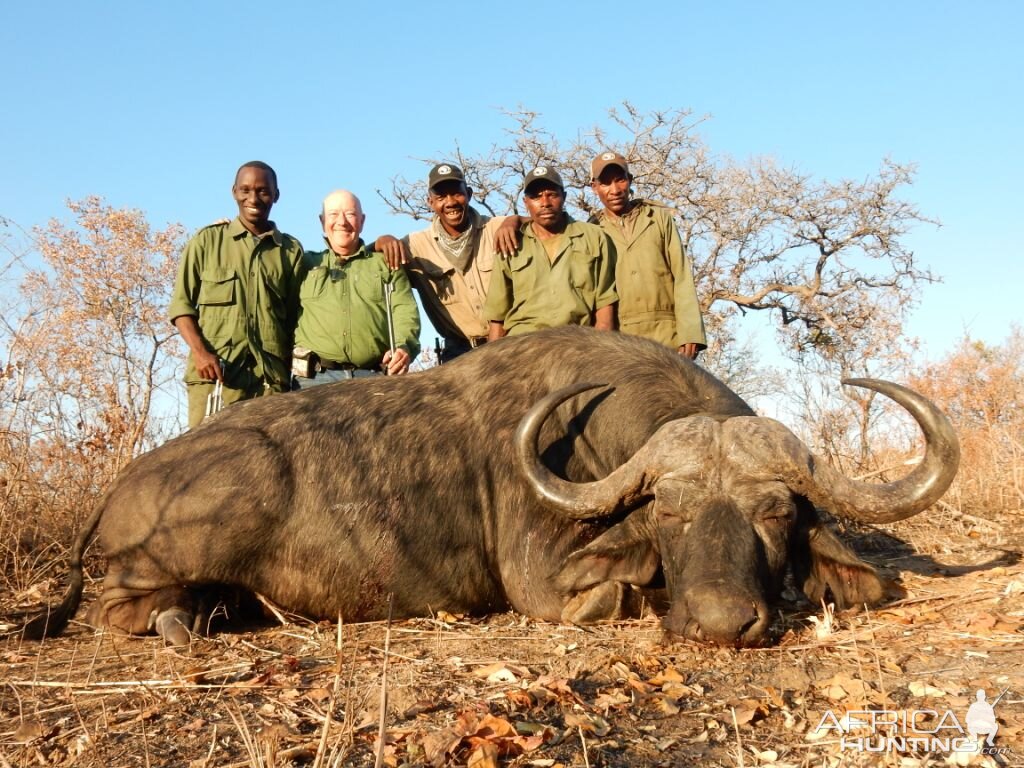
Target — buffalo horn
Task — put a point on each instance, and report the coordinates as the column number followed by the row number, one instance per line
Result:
column 579, row 501
column 889, row 502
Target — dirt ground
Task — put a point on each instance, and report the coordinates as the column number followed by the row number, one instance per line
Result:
column 509, row 691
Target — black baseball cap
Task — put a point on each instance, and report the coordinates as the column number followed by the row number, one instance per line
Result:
column 543, row 173
column 444, row 172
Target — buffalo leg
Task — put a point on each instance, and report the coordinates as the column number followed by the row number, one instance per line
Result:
column 602, row 602
column 168, row 610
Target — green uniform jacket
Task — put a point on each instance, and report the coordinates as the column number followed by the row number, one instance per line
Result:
column 343, row 316
column 654, row 278
column 244, row 292
column 529, row 292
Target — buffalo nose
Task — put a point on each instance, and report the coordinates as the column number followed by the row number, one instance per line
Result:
column 726, row 617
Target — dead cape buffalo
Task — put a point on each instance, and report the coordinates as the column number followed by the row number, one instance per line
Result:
column 505, row 479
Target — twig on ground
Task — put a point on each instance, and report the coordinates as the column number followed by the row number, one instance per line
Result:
column 251, row 749
column 583, row 742
column 384, row 688
column 213, row 746
column 302, row 751
column 321, row 749
column 739, row 741
column 145, row 739
column 874, row 650
column 273, row 609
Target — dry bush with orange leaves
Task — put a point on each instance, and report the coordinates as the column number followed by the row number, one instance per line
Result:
column 88, row 349
column 981, row 388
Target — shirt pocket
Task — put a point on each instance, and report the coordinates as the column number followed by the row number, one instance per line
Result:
column 440, row 281
column 217, row 287
column 583, row 272
column 313, row 284
column 522, row 276
column 369, row 287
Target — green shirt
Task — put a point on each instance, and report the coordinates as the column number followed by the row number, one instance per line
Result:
column 529, row 291
column 654, row 277
column 244, row 292
column 343, row 316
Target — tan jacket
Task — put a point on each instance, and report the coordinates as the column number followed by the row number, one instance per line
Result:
column 453, row 298
column 654, row 277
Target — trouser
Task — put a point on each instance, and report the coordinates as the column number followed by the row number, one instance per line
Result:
column 329, row 377
column 198, row 394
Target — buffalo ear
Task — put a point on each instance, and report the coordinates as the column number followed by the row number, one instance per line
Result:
column 623, row 553
column 822, row 565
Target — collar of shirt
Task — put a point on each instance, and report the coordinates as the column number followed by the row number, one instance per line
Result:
column 237, row 231
column 328, row 257
column 637, row 206
column 570, row 229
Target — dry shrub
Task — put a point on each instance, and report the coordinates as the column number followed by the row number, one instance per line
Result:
column 981, row 388
column 88, row 350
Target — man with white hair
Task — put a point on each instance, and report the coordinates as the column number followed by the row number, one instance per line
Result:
column 344, row 329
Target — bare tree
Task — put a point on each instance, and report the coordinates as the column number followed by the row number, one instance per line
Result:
column 87, row 348
column 825, row 259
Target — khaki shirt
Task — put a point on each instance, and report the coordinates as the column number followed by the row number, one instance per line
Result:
column 244, row 292
column 529, row 291
column 654, row 277
column 453, row 295
column 342, row 314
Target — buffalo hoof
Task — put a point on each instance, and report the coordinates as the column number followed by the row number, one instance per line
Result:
column 599, row 603
column 173, row 626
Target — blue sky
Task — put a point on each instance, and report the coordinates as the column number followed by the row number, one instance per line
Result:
column 154, row 105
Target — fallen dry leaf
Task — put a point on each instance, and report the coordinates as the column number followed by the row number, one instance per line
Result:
column 748, row 711
column 484, row 756
column 669, row 675
column 981, row 624
column 588, row 723
column 844, row 685
column 665, row 705
column 613, row 698
column 501, row 673
column 520, row 699
column 640, row 686
column 917, row 688
column 29, row 730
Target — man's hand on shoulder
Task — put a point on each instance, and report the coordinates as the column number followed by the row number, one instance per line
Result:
column 394, row 250
column 506, row 236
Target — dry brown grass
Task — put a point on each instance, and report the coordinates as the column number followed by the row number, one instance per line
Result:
column 510, row 691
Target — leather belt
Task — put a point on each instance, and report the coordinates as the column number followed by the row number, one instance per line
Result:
column 334, row 365
column 471, row 342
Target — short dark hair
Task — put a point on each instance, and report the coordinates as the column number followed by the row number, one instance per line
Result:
column 262, row 166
